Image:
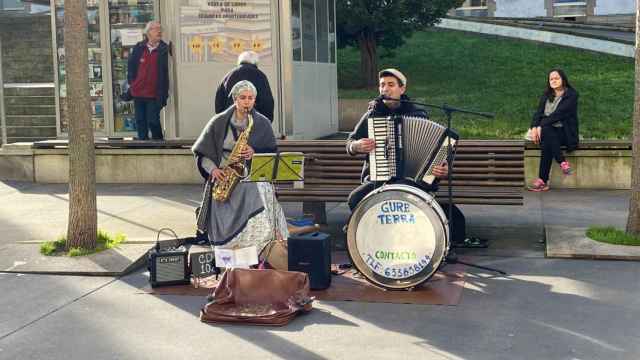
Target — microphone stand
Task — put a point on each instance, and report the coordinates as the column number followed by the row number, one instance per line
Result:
column 452, row 257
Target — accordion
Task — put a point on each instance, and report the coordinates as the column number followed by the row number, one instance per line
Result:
column 408, row 148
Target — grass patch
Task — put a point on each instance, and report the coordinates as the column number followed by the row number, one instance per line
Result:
column 504, row 76
column 611, row 235
column 104, row 241
column 51, row 247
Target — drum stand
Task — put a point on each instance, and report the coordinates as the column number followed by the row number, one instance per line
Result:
column 452, row 257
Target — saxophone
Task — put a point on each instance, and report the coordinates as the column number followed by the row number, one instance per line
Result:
column 235, row 169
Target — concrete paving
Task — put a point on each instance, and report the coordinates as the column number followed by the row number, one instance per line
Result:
column 566, row 242
column 544, row 309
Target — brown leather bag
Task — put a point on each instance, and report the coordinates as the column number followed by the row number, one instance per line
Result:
column 259, row 297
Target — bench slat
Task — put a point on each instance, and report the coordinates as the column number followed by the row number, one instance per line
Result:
column 516, row 200
column 345, row 193
column 330, row 171
column 459, row 156
column 483, row 183
column 485, row 172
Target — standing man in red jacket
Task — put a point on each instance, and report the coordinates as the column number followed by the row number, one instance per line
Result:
column 148, row 79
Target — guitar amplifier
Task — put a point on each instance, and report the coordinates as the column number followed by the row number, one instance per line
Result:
column 168, row 266
column 311, row 254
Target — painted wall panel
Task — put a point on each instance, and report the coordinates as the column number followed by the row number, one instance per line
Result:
column 520, row 8
column 610, row 7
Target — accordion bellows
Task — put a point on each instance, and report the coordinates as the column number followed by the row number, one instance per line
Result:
column 408, row 148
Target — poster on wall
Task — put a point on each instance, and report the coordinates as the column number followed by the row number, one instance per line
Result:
column 217, row 31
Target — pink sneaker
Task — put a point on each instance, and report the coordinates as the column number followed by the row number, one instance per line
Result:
column 566, row 168
column 539, row 185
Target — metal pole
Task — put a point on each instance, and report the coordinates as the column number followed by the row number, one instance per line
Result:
column 3, row 122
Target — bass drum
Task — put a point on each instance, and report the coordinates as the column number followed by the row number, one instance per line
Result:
column 398, row 236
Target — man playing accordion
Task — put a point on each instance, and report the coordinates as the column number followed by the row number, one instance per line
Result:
column 393, row 85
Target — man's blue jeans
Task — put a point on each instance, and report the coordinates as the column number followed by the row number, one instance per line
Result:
column 148, row 118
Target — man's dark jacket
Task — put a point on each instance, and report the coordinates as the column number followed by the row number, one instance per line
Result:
column 162, row 87
column 250, row 72
column 566, row 113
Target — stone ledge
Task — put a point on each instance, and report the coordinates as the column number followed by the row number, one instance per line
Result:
column 572, row 243
column 132, row 152
column 18, row 148
column 26, row 258
column 592, row 169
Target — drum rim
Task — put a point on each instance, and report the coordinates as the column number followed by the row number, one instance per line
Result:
column 440, row 250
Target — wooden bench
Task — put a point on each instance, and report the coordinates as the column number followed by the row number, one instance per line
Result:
column 485, row 172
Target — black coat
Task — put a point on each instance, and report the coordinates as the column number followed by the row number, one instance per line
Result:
column 250, row 72
column 162, row 87
column 566, row 113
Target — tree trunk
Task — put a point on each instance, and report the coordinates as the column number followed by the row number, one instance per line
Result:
column 82, row 229
column 633, row 221
column 368, row 59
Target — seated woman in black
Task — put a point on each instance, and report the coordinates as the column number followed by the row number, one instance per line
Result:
column 554, row 124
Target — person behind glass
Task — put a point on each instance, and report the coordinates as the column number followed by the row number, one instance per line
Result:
column 250, row 215
column 554, row 124
column 247, row 69
column 148, row 78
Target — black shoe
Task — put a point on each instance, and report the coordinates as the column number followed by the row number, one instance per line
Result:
column 451, row 258
column 472, row 242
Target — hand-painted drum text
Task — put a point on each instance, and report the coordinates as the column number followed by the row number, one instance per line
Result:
column 396, row 212
column 396, row 271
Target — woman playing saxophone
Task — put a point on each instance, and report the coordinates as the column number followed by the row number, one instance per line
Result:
column 245, row 213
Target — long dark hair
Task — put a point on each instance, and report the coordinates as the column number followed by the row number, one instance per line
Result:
column 549, row 93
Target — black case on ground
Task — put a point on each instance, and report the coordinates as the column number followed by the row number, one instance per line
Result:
column 311, row 254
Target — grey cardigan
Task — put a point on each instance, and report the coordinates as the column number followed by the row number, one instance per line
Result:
column 209, row 143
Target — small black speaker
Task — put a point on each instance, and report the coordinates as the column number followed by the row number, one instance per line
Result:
column 168, row 266
column 311, row 254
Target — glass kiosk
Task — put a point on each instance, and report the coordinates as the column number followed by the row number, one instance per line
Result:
column 114, row 27
column 95, row 70
column 294, row 38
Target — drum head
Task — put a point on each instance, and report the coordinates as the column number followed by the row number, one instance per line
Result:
column 397, row 237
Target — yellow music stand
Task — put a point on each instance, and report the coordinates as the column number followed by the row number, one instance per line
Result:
column 277, row 167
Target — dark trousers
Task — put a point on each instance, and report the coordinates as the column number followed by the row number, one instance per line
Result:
column 458, row 232
column 148, row 118
column 552, row 139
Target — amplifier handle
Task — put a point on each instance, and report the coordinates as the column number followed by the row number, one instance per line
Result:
column 158, row 237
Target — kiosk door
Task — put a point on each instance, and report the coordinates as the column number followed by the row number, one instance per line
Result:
column 208, row 37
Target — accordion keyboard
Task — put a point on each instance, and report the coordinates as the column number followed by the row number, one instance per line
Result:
column 382, row 161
